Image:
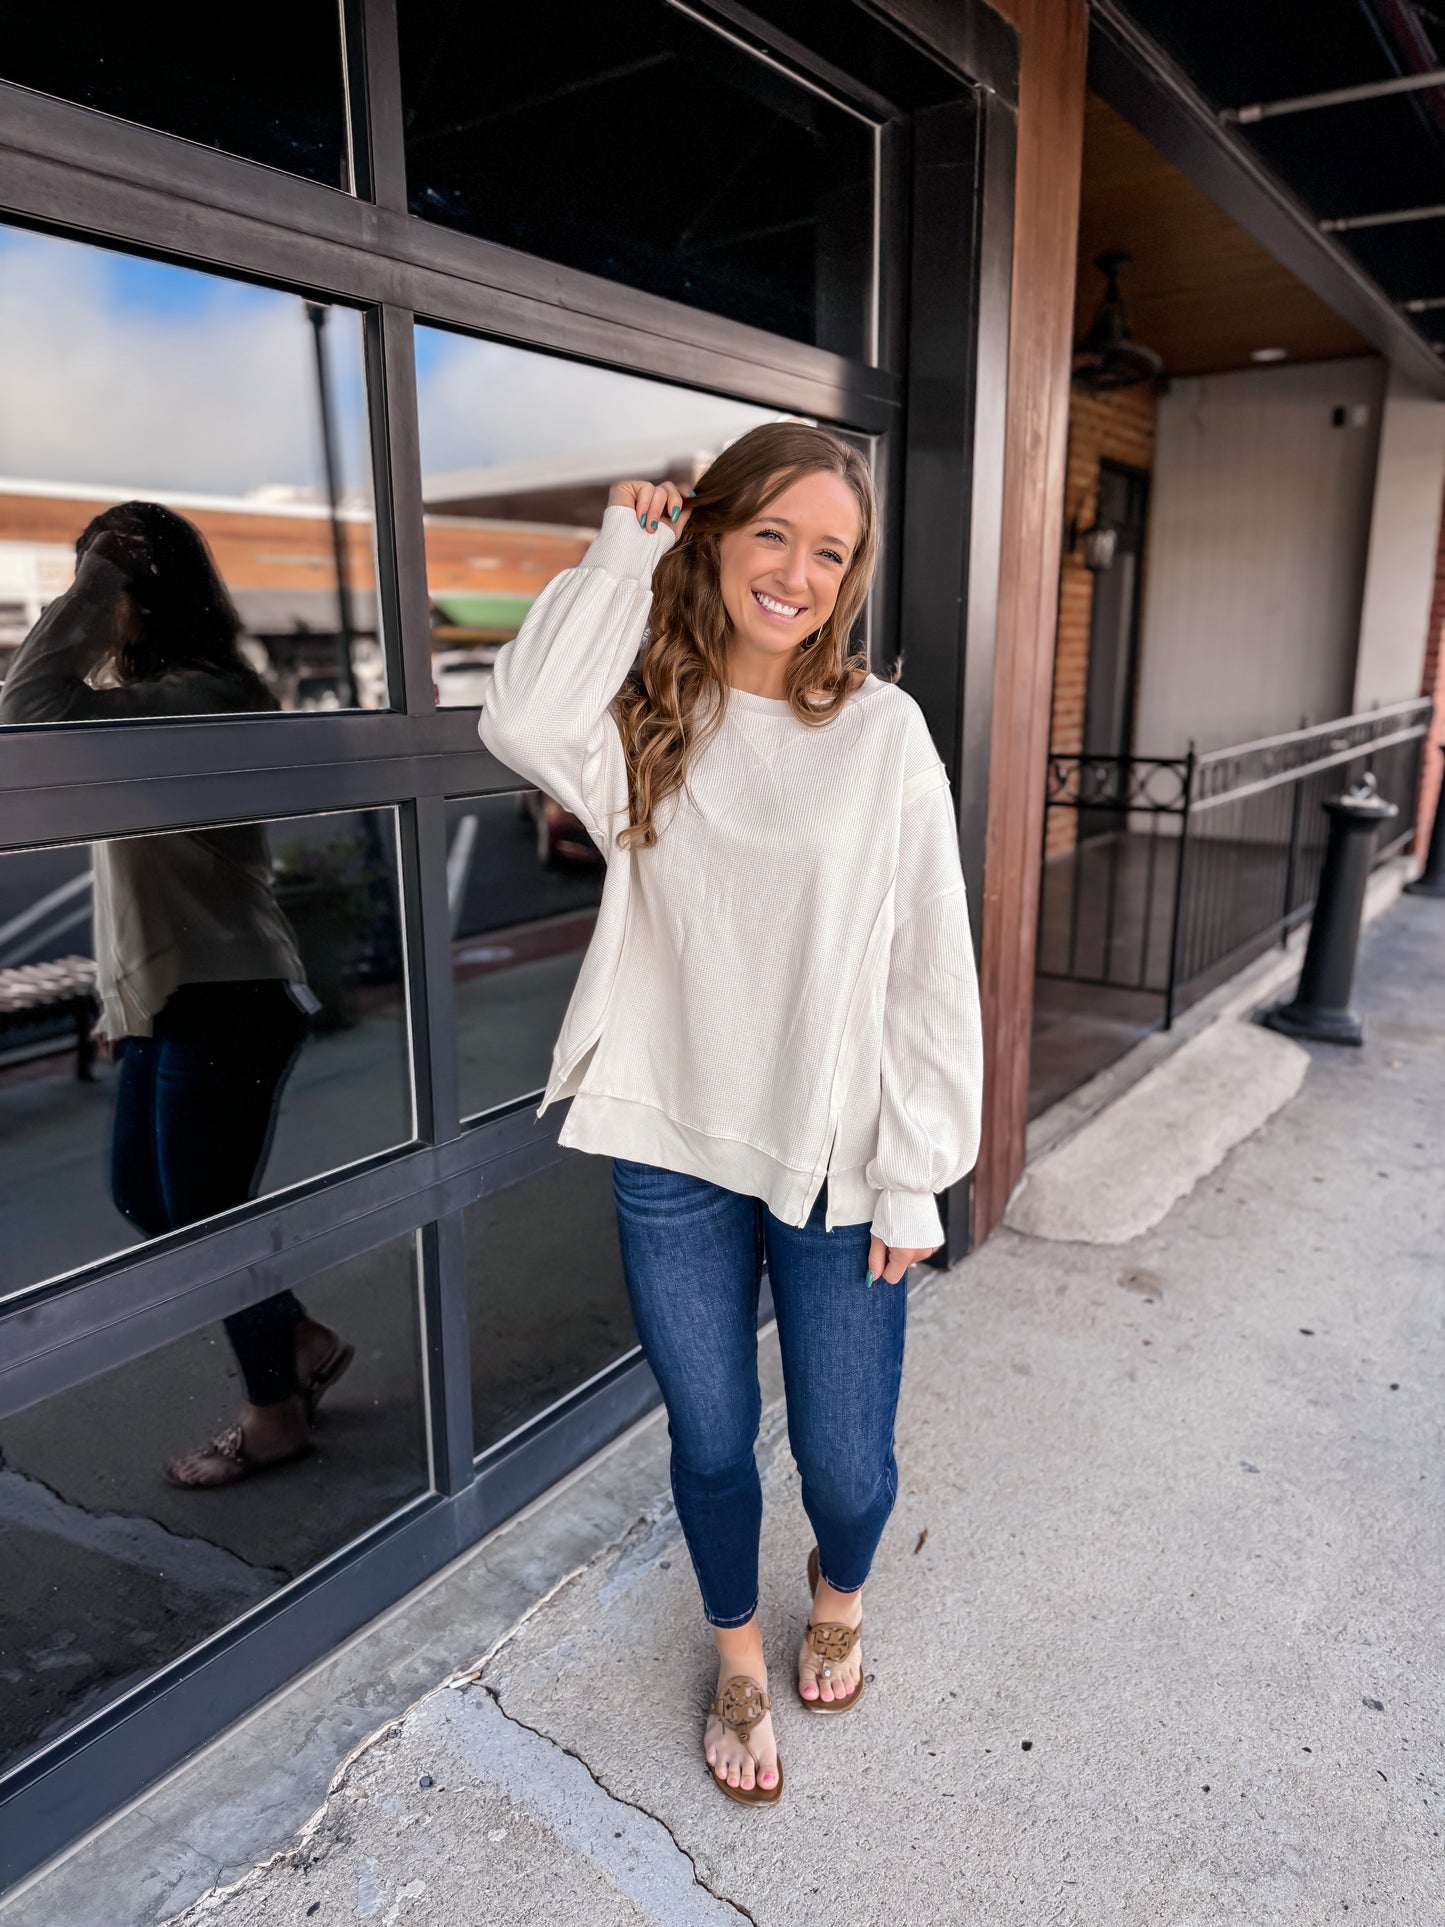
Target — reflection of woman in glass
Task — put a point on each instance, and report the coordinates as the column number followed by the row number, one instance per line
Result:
column 200, row 983
column 775, row 1032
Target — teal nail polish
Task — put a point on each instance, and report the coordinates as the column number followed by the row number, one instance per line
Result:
column 692, row 491
column 652, row 526
column 677, row 511
column 870, row 1277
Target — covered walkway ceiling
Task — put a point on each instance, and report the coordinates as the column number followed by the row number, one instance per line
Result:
column 1199, row 289
column 1319, row 125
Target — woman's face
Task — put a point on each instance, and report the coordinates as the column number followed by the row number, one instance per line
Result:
column 780, row 573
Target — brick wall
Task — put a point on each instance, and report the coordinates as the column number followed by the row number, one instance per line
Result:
column 1119, row 428
column 257, row 550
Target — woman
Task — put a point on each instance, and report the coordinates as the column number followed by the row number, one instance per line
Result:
column 774, row 1033
column 201, row 987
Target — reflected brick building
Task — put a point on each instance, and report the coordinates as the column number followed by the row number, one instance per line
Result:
column 275, row 556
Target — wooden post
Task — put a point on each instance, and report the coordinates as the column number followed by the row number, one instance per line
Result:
column 1053, row 44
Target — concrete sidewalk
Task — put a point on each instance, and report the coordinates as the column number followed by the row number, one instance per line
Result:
column 1155, row 1634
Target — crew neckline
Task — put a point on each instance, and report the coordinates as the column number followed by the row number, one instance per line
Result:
column 779, row 704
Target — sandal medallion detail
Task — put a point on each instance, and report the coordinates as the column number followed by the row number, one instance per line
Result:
column 740, row 1705
column 831, row 1641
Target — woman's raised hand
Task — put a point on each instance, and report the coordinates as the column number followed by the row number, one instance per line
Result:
column 120, row 538
column 652, row 503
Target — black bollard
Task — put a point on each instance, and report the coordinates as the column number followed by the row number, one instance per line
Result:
column 1320, row 1008
column 1431, row 880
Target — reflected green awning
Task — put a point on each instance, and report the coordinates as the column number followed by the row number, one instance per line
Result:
column 484, row 611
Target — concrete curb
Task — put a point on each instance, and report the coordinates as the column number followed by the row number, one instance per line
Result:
column 1257, row 984
column 1123, row 1151
column 1119, row 1176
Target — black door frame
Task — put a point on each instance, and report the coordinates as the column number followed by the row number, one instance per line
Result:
column 946, row 203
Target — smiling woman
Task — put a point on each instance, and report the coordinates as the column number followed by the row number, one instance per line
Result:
column 761, row 524
column 775, row 1031
column 781, row 574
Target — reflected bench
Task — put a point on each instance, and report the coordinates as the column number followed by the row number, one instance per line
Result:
column 39, row 1001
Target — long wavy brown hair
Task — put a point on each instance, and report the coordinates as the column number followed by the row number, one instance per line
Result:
column 674, row 700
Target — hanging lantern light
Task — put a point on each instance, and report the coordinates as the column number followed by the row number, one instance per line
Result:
column 1107, row 358
column 1098, row 545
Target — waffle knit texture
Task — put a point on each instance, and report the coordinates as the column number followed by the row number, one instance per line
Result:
column 781, row 993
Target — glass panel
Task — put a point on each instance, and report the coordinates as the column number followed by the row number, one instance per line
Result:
column 524, row 880
column 518, row 452
column 224, row 87
column 252, row 978
column 640, row 145
column 548, row 1302
column 219, row 432
column 111, row 1571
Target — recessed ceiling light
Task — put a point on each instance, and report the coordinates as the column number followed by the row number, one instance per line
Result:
column 1268, row 354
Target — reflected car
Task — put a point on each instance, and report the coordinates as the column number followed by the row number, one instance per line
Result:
column 318, row 692
column 561, row 838
column 462, row 676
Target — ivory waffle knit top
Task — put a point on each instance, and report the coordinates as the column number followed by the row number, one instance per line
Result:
column 781, row 992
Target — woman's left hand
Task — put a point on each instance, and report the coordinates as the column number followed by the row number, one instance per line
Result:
column 118, row 536
column 889, row 1262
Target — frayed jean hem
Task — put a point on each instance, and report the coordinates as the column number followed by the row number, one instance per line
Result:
column 727, row 1621
column 828, row 1582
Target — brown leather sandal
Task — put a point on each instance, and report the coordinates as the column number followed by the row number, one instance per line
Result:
column 224, row 1461
column 830, row 1640
column 740, row 1705
column 336, row 1361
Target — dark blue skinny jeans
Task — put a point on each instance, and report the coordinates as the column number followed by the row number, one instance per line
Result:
column 693, row 1257
column 195, row 1113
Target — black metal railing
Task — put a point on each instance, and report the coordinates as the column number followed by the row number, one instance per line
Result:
column 1181, row 869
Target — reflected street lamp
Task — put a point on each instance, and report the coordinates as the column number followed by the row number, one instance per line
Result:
column 383, row 958
column 316, row 313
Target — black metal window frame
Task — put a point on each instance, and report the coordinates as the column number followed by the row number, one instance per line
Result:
column 933, row 406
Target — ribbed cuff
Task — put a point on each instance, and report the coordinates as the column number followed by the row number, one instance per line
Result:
column 908, row 1221
column 625, row 549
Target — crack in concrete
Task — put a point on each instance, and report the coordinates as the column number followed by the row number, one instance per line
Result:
column 303, row 1851
column 307, row 1846
column 470, row 1675
column 621, row 1800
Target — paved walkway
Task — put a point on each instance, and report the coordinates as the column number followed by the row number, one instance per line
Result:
column 1155, row 1635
